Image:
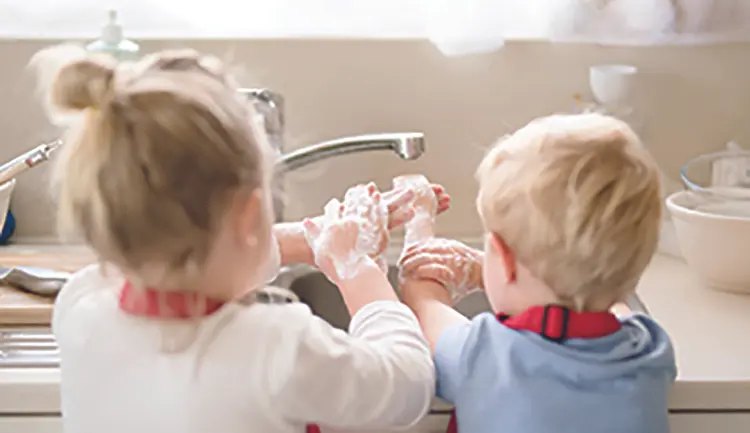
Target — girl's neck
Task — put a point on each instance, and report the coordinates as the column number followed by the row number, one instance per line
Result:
column 214, row 287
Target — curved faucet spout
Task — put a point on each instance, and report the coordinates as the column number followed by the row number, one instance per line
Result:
column 407, row 145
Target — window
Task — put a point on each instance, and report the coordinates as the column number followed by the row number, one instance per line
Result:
column 454, row 24
column 258, row 18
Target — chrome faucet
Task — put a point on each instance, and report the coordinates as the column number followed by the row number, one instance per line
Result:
column 269, row 107
column 407, row 145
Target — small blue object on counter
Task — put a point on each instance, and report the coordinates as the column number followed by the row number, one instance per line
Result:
column 8, row 229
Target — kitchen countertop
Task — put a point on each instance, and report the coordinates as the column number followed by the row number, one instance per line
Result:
column 708, row 329
column 19, row 308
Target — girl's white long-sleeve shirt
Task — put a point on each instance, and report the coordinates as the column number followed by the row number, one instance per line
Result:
column 259, row 368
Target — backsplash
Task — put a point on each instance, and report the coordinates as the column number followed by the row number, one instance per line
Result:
column 695, row 100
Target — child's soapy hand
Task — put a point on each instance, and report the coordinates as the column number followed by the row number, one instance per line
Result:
column 398, row 202
column 424, row 205
column 425, row 201
column 453, row 264
column 349, row 234
column 401, row 203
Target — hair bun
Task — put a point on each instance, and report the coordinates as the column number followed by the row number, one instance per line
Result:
column 82, row 84
column 72, row 78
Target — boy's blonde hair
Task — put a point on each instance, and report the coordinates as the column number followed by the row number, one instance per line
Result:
column 577, row 199
column 158, row 152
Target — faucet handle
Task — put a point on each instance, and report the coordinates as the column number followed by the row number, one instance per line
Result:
column 268, row 104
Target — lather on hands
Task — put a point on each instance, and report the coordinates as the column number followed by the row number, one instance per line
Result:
column 399, row 203
column 451, row 263
column 351, row 234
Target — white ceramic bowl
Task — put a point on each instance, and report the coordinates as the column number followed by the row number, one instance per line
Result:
column 6, row 190
column 714, row 239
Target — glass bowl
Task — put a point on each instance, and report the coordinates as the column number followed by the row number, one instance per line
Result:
column 723, row 176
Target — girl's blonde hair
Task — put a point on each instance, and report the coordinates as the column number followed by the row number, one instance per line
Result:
column 156, row 153
column 577, row 198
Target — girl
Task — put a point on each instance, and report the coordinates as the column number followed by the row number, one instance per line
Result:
column 166, row 180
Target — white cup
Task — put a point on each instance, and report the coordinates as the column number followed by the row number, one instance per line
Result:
column 612, row 85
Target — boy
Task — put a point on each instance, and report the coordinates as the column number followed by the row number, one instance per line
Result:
column 571, row 205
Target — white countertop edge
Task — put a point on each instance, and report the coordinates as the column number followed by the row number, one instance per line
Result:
column 689, row 396
column 25, row 391
column 29, row 390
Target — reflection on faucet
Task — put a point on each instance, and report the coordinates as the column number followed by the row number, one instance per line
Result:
column 407, row 145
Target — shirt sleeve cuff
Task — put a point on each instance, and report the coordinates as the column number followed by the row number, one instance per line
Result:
column 366, row 318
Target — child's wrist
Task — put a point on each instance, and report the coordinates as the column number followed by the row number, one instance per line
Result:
column 293, row 246
column 423, row 217
column 381, row 262
column 354, row 267
column 421, row 227
column 420, row 290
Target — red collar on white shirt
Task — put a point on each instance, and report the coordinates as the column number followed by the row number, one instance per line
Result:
column 171, row 305
column 557, row 323
column 165, row 304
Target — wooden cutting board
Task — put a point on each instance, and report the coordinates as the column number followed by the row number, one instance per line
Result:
column 19, row 308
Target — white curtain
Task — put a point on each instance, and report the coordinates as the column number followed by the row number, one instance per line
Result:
column 455, row 26
column 468, row 26
column 649, row 22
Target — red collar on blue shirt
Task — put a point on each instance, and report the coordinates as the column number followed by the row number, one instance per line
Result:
column 557, row 323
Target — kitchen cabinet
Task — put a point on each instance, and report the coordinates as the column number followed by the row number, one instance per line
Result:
column 680, row 423
column 715, row 422
column 431, row 424
column 30, row 424
column 726, row 422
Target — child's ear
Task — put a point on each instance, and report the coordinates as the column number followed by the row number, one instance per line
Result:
column 506, row 255
column 248, row 215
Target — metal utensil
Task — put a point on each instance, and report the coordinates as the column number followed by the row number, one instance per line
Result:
column 37, row 281
column 28, row 160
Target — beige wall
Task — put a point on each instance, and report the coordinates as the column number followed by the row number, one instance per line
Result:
column 696, row 98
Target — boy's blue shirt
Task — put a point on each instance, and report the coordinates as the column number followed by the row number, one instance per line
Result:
column 508, row 380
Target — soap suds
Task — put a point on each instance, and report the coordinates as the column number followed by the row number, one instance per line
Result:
column 422, row 226
column 421, row 230
column 449, row 262
column 351, row 232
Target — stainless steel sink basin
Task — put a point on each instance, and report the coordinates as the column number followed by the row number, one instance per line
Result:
column 28, row 347
column 315, row 290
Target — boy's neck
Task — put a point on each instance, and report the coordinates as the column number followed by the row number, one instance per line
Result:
column 531, row 292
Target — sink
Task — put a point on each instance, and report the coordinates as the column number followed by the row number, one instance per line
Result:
column 36, row 347
column 28, row 347
column 323, row 298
